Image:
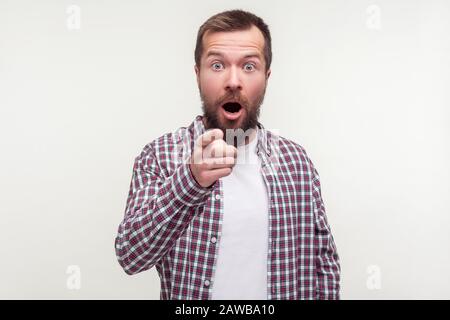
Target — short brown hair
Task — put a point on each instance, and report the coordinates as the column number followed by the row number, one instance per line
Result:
column 234, row 20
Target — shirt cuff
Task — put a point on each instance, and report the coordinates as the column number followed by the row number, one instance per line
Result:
column 186, row 189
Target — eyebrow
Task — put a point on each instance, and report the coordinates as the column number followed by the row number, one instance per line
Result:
column 220, row 54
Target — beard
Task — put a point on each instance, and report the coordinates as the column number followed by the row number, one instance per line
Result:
column 248, row 120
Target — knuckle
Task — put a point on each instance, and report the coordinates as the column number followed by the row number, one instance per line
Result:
column 209, row 166
column 221, row 149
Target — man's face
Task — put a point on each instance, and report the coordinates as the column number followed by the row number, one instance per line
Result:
column 232, row 78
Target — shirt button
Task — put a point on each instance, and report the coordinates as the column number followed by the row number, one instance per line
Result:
column 213, row 240
column 217, row 196
column 206, row 283
column 274, row 290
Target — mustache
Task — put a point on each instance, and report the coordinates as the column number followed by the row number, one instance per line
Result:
column 235, row 97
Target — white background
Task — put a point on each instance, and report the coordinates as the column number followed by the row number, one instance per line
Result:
column 362, row 85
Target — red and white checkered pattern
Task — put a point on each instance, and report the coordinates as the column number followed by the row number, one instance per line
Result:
column 174, row 224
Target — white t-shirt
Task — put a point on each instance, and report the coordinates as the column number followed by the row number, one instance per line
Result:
column 241, row 268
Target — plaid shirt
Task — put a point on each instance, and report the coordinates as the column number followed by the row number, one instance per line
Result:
column 174, row 224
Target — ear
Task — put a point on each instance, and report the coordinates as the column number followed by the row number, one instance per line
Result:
column 197, row 74
column 268, row 74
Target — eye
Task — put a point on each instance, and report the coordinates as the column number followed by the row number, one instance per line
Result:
column 217, row 66
column 249, row 67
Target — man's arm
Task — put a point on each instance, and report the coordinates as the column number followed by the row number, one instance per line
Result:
column 157, row 212
column 160, row 208
column 327, row 259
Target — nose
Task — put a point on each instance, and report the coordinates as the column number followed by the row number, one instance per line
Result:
column 233, row 81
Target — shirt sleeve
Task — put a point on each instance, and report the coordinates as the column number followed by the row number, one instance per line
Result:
column 158, row 210
column 326, row 259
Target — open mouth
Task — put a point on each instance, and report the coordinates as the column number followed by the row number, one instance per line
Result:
column 232, row 107
column 232, row 110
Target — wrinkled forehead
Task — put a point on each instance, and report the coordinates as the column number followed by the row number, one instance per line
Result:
column 234, row 41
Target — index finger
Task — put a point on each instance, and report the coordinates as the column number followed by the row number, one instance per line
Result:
column 208, row 137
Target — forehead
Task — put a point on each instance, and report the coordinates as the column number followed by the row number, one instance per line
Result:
column 236, row 41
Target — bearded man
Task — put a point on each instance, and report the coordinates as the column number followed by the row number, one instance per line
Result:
column 242, row 216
